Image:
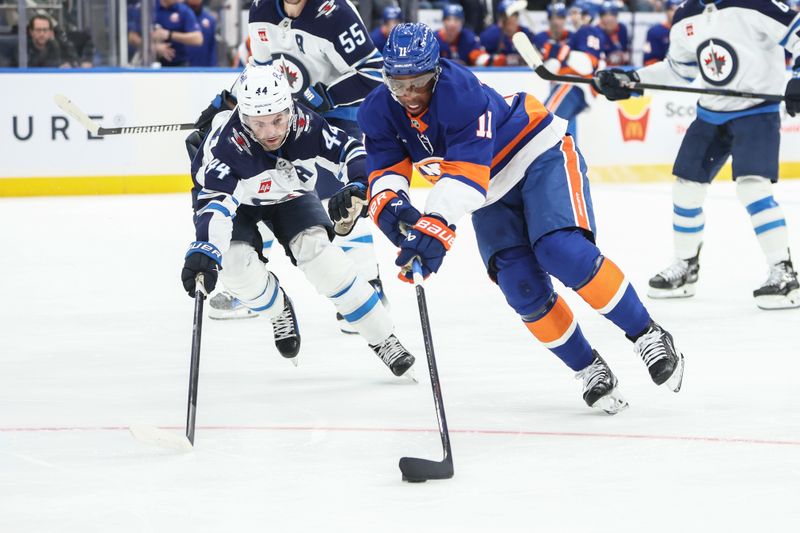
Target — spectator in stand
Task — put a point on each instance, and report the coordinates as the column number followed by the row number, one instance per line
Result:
column 657, row 40
column 496, row 39
column 175, row 27
column 392, row 16
column 457, row 42
column 476, row 14
column 204, row 55
column 371, row 11
column 551, row 41
column 44, row 50
column 615, row 43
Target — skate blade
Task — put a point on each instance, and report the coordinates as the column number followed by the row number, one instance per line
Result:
column 612, row 403
column 235, row 314
column 409, row 375
column 295, row 360
column 675, row 381
column 774, row 302
column 686, row 291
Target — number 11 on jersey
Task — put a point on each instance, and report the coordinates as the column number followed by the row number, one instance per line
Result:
column 485, row 125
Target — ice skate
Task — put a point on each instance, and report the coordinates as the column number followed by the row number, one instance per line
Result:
column 677, row 280
column 657, row 349
column 345, row 326
column 395, row 356
column 286, row 330
column 781, row 290
column 600, row 387
column 224, row 306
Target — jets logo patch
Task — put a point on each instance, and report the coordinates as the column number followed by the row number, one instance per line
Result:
column 326, row 9
column 718, row 61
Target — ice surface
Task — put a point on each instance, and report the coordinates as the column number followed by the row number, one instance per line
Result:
column 95, row 336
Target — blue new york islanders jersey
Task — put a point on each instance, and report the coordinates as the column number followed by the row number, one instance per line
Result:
column 615, row 46
column 471, row 143
column 466, row 49
column 587, row 42
column 549, row 46
column 233, row 169
column 656, row 43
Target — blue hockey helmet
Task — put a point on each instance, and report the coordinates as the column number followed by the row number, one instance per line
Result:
column 453, row 10
column 673, row 4
column 587, row 7
column 392, row 13
column 506, row 8
column 411, row 49
column 557, row 9
column 609, row 8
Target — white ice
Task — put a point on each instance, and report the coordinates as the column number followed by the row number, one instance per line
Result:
column 95, row 335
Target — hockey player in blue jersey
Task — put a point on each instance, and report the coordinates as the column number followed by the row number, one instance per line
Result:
column 737, row 45
column 510, row 163
column 392, row 16
column 496, row 39
column 657, row 40
column 550, row 41
column 615, row 35
column 459, row 43
column 580, row 57
column 331, row 64
column 259, row 164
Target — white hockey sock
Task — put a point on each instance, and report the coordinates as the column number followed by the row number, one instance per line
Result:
column 267, row 238
column 247, row 278
column 360, row 249
column 334, row 276
column 688, row 219
column 769, row 223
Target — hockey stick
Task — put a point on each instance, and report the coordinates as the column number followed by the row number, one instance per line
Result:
column 534, row 60
column 95, row 129
column 194, row 369
column 165, row 438
column 415, row 469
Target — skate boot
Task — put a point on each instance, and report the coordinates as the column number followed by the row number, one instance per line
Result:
column 677, row 280
column 600, row 387
column 394, row 355
column 781, row 290
column 224, row 306
column 657, row 349
column 345, row 326
column 286, row 330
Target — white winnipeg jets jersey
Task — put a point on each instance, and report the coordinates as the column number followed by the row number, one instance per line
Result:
column 232, row 169
column 327, row 43
column 730, row 44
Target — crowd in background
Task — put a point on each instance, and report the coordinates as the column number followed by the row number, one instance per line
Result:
column 474, row 32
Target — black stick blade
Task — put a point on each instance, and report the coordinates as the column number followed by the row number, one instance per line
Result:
column 417, row 470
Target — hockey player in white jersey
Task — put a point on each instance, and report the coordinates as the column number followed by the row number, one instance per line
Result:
column 259, row 164
column 737, row 45
column 331, row 65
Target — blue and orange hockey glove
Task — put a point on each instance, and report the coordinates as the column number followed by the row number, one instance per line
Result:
column 429, row 239
column 393, row 213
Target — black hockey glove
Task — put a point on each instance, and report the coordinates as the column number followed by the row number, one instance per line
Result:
column 224, row 101
column 611, row 83
column 792, row 97
column 317, row 98
column 202, row 258
column 347, row 206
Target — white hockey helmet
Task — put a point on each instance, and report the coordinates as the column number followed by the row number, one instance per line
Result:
column 263, row 90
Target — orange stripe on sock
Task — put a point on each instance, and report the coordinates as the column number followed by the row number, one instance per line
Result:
column 552, row 326
column 602, row 288
column 575, row 177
